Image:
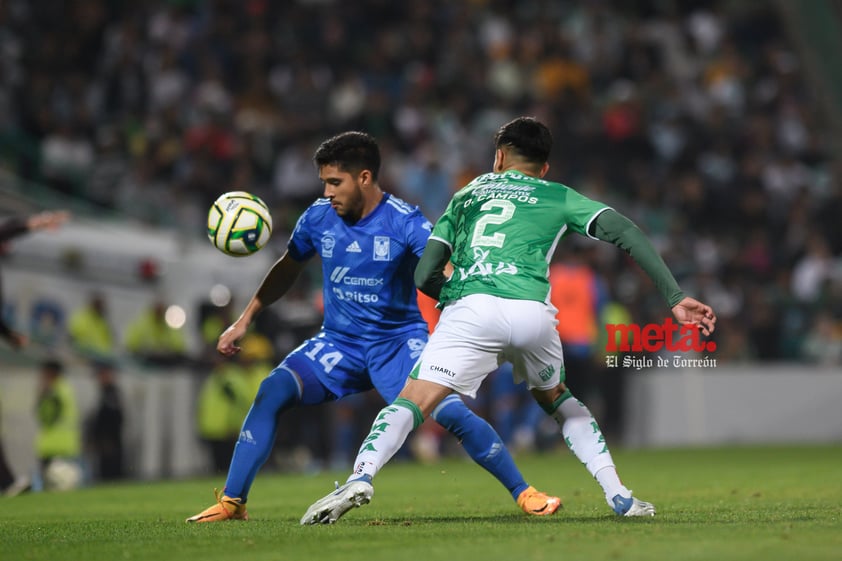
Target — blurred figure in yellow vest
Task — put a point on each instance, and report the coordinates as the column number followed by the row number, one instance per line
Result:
column 152, row 341
column 58, row 442
column 89, row 329
column 11, row 228
column 257, row 357
column 224, row 401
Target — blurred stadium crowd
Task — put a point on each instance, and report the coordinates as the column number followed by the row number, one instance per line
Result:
column 694, row 118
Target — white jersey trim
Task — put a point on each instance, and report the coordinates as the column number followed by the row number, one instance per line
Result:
column 588, row 226
column 442, row 240
column 550, row 254
column 399, row 205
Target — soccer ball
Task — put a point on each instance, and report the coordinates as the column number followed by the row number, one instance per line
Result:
column 239, row 223
column 62, row 475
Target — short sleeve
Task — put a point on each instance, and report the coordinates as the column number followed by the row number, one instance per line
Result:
column 580, row 212
column 445, row 230
column 418, row 232
column 300, row 245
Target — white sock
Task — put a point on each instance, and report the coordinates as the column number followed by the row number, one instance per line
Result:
column 584, row 438
column 388, row 433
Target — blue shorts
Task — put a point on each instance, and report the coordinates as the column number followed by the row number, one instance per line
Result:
column 331, row 367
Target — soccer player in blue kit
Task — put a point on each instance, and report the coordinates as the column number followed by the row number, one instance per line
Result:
column 373, row 332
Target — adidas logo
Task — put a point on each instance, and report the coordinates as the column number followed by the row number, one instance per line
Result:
column 246, row 436
column 353, row 247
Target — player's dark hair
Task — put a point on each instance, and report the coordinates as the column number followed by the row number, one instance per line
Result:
column 351, row 151
column 528, row 137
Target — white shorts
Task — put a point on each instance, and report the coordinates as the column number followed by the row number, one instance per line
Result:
column 477, row 333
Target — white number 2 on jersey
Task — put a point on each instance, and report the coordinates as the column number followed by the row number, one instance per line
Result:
column 507, row 210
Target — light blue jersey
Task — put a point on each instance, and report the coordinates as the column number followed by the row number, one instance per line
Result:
column 368, row 267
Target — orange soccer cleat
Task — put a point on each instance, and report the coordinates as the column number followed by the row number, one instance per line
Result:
column 534, row 502
column 226, row 508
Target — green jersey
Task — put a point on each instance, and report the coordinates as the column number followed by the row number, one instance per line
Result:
column 502, row 230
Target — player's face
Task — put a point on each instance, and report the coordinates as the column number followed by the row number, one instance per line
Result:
column 344, row 191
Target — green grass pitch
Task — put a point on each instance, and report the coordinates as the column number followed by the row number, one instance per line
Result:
column 740, row 503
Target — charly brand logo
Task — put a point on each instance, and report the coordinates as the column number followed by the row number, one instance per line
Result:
column 443, row 370
column 652, row 338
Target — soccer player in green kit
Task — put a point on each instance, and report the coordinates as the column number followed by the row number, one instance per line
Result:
column 500, row 232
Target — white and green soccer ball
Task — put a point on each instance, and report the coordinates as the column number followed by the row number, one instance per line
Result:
column 239, row 223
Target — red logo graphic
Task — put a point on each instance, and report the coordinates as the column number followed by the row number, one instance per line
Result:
column 653, row 337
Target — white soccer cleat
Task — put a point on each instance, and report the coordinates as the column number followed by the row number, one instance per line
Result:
column 329, row 509
column 632, row 506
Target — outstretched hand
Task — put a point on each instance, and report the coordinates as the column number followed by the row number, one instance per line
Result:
column 692, row 312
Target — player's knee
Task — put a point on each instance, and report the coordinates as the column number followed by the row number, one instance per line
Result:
column 549, row 397
column 281, row 386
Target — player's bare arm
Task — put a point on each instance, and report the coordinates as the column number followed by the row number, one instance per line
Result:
column 275, row 284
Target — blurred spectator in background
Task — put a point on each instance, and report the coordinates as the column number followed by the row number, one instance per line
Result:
column 823, row 342
column 257, row 357
column 47, row 324
column 611, row 376
column 105, row 425
column 426, row 182
column 699, row 112
column 152, row 341
column 90, row 331
column 514, row 413
column 58, row 442
column 578, row 293
column 224, row 399
column 67, row 157
column 212, row 320
column 11, row 228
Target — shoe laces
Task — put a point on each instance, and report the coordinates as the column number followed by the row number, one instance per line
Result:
column 536, row 498
column 220, row 500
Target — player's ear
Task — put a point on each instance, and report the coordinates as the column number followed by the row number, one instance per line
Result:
column 544, row 169
column 499, row 156
column 365, row 178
